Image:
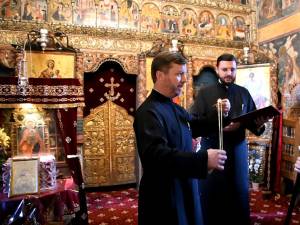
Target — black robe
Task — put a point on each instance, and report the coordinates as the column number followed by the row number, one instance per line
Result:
column 168, row 192
column 224, row 194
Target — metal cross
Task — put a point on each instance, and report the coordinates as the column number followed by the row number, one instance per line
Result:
column 112, row 86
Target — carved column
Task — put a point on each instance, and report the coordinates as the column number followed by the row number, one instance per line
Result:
column 189, row 83
column 253, row 22
column 79, row 67
column 274, row 83
column 141, row 81
column 141, row 94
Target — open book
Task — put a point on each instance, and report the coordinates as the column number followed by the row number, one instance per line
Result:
column 269, row 111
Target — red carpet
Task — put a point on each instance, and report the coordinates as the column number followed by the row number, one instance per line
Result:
column 120, row 208
column 113, row 208
column 271, row 211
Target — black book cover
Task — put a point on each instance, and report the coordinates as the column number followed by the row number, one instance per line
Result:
column 269, row 111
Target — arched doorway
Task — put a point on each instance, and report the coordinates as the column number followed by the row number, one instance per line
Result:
column 206, row 76
column 109, row 142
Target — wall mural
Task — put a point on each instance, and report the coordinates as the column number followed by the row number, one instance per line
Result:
column 287, row 49
column 10, row 9
column 150, row 18
column 127, row 14
column 188, row 22
column 34, row 10
column 239, row 28
column 84, row 12
column 107, row 14
column 271, row 10
column 223, row 27
column 60, row 11
column 206, row 24
column 170, row 20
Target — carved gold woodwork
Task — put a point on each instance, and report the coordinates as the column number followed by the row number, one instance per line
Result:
column 93, row 60
column 109, row 146
column 141, row 91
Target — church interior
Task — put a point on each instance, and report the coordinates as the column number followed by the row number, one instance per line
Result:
column 74, row 72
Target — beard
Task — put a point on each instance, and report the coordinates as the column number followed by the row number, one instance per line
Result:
column 228, row 80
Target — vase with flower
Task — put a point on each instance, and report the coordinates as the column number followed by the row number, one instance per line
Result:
column 4, row 144
column 255, row 168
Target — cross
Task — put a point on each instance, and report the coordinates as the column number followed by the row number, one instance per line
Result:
column 112, row 86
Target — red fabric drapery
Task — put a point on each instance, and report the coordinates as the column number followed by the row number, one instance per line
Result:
column 67, row 119
column 67, row 123
column 276, row 154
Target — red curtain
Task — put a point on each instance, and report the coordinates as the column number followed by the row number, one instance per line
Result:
column 67, row 119
column 67, row 123
column 276, row 154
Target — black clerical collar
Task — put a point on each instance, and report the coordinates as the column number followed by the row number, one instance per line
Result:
column 160, row 96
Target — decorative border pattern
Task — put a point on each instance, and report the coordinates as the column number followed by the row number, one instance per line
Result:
column 42, row 90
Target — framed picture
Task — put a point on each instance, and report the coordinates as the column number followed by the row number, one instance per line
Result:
column 30, row 132
column 50, row 65
column 24, row 177
column 31, row 138
column 257, row 79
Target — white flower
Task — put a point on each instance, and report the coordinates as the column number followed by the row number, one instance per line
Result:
column 258, row 161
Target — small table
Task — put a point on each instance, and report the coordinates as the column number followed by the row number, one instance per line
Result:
column 51, row 205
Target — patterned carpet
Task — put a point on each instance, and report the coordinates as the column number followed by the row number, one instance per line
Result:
column 120, row 208
column 113, row 208
column 271, row 211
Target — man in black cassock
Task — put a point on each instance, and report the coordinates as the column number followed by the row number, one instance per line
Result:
column 224, row 194
column 168, row 193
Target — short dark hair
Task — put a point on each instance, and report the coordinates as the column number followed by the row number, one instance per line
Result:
column 226, row 57
column 163, row 61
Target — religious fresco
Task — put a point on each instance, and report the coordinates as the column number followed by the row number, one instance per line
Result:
column 50, row 65
column 188, row 22
column 223, row 27
column 150, row 18
column 206, row 24
column 287, row 49
column 271, row 10
column 239, row 28
column 129, row 15
column 60, row 11
column 10, row 9
column 107, row 14
column 34, row 10
column 170, row 20
column 84, row 12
